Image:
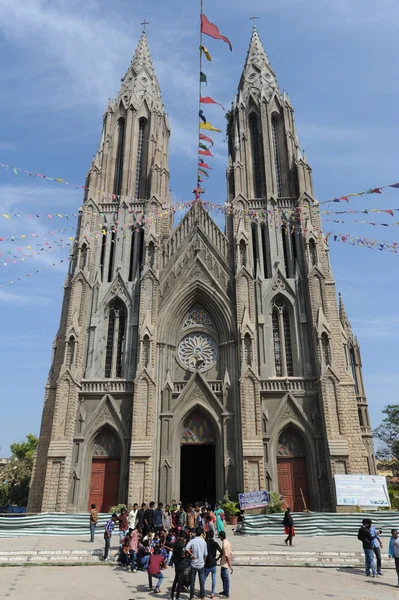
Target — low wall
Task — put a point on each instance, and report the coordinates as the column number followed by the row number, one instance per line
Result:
column 334, row 524
column 306, row 524
column 49, row 524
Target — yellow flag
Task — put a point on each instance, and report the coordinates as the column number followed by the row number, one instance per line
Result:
column 209, row 127
column 6, row 216
column 205, row 51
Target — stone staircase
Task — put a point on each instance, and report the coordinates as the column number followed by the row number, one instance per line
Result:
column 289, row 558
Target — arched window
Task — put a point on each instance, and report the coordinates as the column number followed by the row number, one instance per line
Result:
column 151, row 255
column 71, row 351
column 141, row 164
column 276, row 154
column 120, row 154
column 254, row 233
column 146, row 351
column 102, row 257
column 232, row 189
column 353, row 366
column 115, row 339
column 281, row 327
column 313, row 252
column 141, row 250
column 265, row 245
column 132, row 255
column 288, row 262
column 325, row 349
column 258, row 163
column 243, row 253
column 83, row 257
column 248, row 349
column 111, row 257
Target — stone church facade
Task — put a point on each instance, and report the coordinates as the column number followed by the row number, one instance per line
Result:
column 190, row 363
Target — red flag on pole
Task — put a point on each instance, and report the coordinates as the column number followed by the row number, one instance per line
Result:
column 211, row 29
column 206, row 138
column 205, row 152
column 208, row 100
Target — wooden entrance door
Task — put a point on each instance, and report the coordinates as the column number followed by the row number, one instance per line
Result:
column 291, row 481
column 104, row 483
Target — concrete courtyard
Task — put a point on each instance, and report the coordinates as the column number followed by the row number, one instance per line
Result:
column 112, row 582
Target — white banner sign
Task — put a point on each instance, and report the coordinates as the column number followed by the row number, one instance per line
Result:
column 361, row 490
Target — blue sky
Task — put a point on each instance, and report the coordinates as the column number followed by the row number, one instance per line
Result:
column 60, row 61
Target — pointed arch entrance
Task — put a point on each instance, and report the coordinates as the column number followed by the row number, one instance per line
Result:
column 105, row 470
column 292, row 469
column 198, row 459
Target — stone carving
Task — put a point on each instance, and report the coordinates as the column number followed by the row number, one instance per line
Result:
column 105, row 415
column 197, row 317
column 117, row 289
column 278, row 284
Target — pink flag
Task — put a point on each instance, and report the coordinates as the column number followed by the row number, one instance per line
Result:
column 212, row 30
column 206, row 138
column 205, row 152
column 208, row 100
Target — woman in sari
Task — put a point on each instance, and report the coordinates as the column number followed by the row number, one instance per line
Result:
column 220, row 518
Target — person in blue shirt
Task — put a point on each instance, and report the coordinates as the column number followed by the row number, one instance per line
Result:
column 109, row 528
column 393, row 551
column 377, row 547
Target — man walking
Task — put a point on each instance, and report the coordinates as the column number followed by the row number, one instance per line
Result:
column 210, row 563
column 93, row 521
column 225, row 563
column 109, row 528
column 366, row 538
column 198, row 550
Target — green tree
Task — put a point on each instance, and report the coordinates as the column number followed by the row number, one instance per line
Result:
column 15, row 477
column 388, row 434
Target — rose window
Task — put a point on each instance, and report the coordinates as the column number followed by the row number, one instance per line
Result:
column 198, row 351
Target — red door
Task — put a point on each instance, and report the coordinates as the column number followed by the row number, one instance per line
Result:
column 292, row 482
column 285, row 481
column 300, row 484
column 104, row 483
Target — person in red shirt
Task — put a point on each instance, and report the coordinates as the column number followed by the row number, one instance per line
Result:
column 154, row 569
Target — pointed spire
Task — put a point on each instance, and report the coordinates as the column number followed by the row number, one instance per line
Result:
column 342, row 313
column 140, row 80
column 142, row 57
column 258, row 75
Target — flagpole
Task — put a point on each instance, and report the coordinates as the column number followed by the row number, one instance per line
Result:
column 200, row 92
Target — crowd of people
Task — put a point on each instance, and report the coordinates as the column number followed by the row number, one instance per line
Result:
column 153, row 538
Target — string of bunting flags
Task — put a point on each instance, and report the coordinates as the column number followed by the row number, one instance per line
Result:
column 336, row 237
column 177, row 206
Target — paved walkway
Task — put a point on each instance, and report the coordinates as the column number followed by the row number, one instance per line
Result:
column 110, row 583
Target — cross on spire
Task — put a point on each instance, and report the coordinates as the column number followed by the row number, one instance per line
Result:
column 144, row 23
column 253, row 19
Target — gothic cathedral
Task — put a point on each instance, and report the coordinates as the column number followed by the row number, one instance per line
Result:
column 190, row 363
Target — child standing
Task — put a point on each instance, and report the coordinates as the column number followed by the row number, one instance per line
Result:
column 393, row 551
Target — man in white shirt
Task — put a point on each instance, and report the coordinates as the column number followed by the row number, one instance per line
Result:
column 199, row 551
column 132, row 516
column 226, row 559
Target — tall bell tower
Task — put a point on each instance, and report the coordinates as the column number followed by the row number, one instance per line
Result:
column 109, row 299
column 299, row 399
